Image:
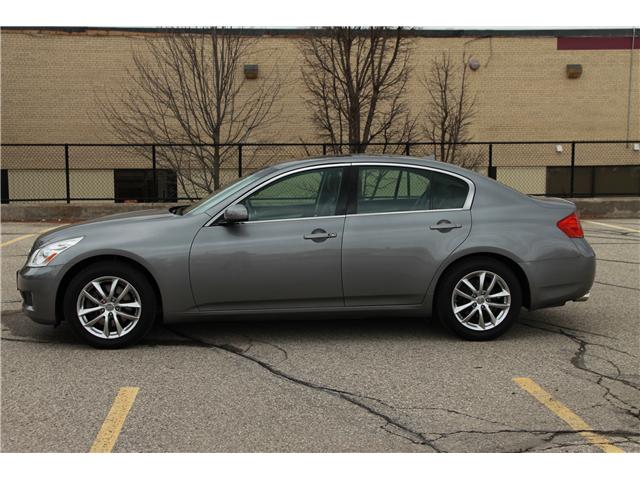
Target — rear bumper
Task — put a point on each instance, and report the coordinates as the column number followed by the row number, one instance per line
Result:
column 554, row 282
column 38, row 287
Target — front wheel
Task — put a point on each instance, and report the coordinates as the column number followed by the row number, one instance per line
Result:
column 110, row 305
column 479, row 299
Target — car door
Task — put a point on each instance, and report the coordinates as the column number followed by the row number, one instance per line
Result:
column 403, row 223
column 287, row 255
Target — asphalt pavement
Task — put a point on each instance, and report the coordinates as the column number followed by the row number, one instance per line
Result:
column 563, row 379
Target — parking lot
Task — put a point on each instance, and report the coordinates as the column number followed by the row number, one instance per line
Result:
column 563, row 379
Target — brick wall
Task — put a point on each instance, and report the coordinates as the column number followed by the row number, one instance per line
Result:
column 51, row 82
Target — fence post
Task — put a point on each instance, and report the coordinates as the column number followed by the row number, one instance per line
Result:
column 573, row 166
column 239, row 160
column 491, row 173
column 324, row 149
column 407, row 149
column 154, row 170
column 66, row 172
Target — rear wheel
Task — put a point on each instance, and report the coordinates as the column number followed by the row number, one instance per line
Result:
column 479, row 298
column 110, row 305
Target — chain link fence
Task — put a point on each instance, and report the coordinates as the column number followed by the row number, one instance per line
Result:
column 179, row 172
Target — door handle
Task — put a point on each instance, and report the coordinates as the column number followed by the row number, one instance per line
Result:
column 318, row 235
column 444, row 225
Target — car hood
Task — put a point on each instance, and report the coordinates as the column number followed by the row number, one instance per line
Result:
column 118, row 219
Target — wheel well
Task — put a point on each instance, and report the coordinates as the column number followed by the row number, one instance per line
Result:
column 62, row 287
column 515, row 268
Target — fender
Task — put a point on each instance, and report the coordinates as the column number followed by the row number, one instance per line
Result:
column 462, row 252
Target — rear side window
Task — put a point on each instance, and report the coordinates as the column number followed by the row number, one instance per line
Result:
column 447, row 191
column 398, row 189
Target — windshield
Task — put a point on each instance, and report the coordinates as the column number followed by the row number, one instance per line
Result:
column 224, row 193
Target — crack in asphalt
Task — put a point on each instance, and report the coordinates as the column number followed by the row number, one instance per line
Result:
column 578, row 361
column 23, row 340
column 253, row 341
column 573, row 329
column 612, row 235
column 625, row 241
column 609, row 231
column 405, row 431
column 397, row 423
column 455, row 412
column 614, row 243
column 549, row 436
column 617, row 261
column 399, row 428
column 619, row 286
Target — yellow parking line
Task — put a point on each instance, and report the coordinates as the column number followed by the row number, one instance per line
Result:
column 28, row 235
column 613, row 226
column 110, row 430
column 573, row 420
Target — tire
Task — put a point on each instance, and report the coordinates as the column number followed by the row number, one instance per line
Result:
column 497, row 316
column 132, row 288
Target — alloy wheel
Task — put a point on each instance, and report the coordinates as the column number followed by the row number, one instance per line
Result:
column 481, row 300
column 109, row 307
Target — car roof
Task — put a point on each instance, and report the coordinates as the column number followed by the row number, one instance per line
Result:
column 427, row 161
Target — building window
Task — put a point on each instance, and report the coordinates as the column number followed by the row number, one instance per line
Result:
column 4, row 185
column 594, row 181
column 136, row 185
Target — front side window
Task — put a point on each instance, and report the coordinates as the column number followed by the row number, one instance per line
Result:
column 399, row 189
column 312, row 193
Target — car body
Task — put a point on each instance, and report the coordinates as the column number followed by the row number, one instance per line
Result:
column 329, row 236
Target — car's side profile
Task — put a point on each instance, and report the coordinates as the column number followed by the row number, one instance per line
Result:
column 353, row 235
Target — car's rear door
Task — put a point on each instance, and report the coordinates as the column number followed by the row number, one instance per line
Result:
column 287, row 255
column 403, row 223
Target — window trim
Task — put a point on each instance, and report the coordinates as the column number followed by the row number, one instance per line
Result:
column 352, row 166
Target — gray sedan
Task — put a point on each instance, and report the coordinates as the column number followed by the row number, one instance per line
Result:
column 355, row 235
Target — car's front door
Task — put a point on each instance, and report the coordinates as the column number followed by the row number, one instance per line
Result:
column 404, row 223
column 287, row 255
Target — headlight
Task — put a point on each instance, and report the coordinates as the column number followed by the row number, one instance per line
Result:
column 45, row 255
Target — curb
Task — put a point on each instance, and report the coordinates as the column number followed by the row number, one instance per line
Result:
column 608, row 207
column 62, row 212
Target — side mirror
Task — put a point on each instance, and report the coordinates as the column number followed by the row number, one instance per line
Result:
column 236, row 213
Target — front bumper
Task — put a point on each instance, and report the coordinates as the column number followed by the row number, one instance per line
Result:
column 38, row 288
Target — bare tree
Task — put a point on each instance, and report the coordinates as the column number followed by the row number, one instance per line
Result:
column 356, row 80
column 450, row 111
column 188, row 88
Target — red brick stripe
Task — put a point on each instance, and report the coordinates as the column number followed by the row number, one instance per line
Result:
column 597, row 43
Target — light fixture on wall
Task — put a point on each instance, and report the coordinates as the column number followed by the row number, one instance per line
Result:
column 251, row 71
column 574, row 70
column 474, row 63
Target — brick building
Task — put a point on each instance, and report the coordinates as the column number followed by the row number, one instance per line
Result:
column 52, row 79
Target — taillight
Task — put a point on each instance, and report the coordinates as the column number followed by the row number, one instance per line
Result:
column 571, row 226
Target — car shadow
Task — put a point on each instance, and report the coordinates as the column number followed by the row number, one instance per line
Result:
column 297, row 330
column 16, row 327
